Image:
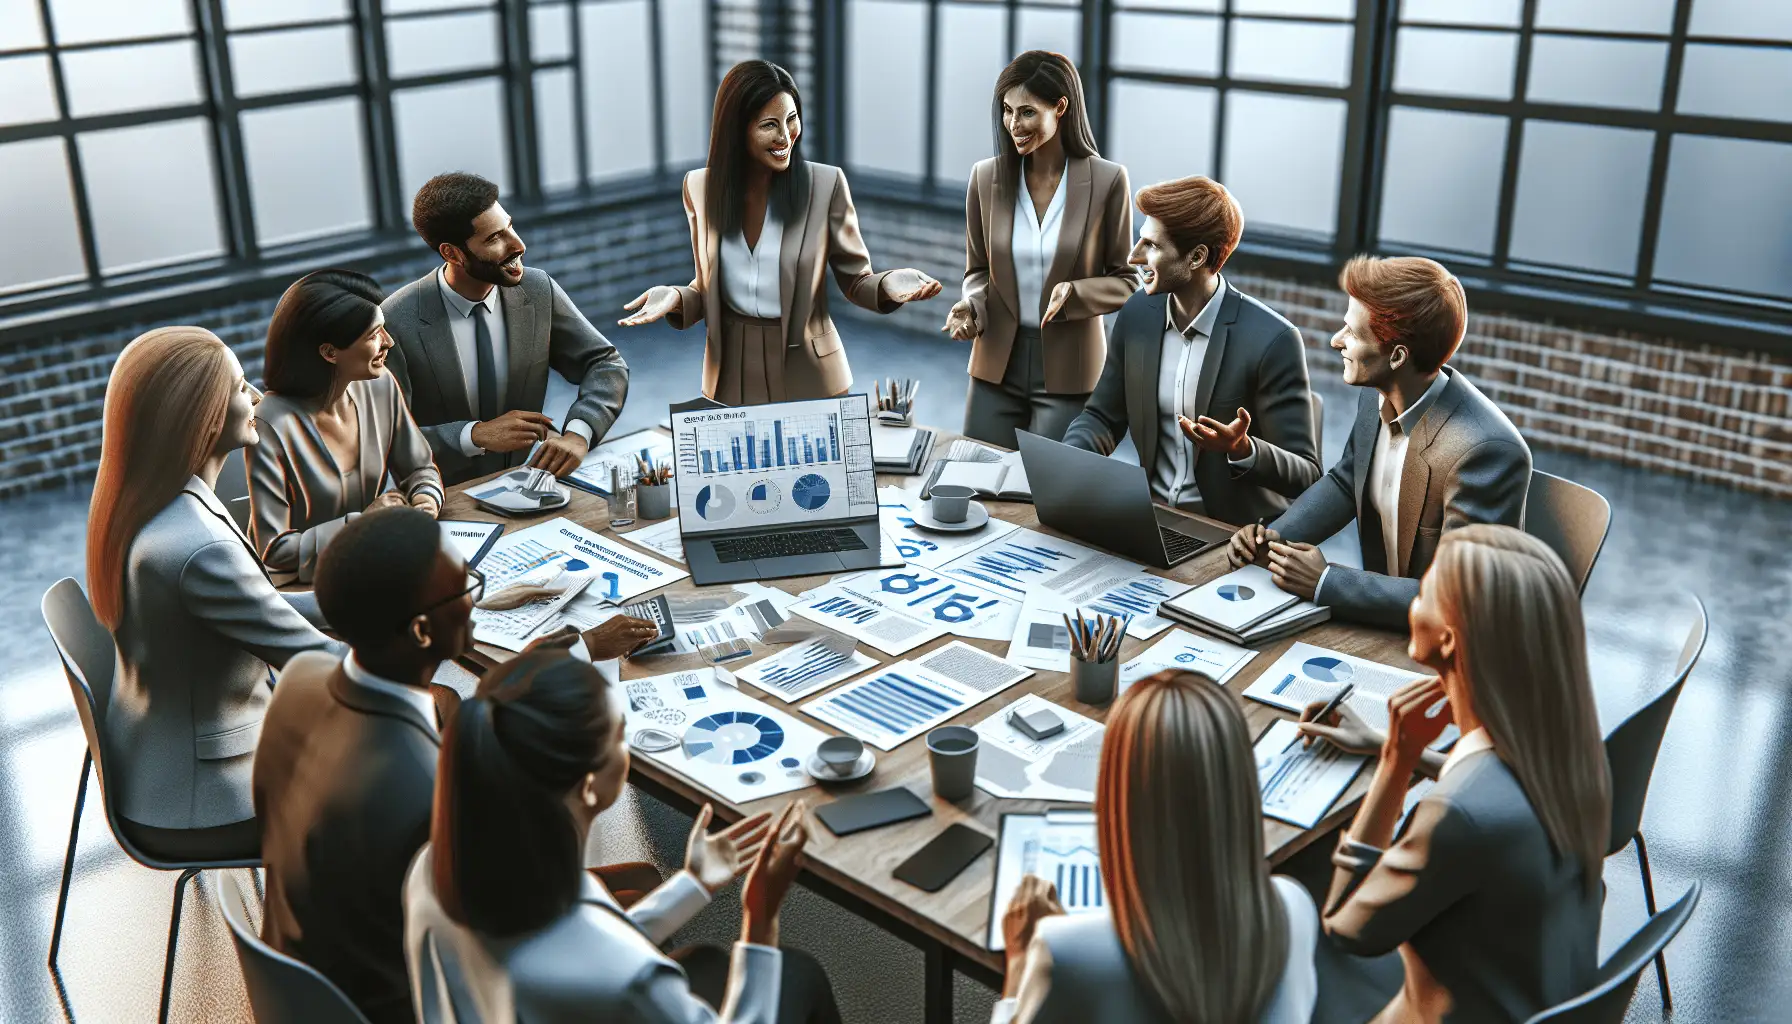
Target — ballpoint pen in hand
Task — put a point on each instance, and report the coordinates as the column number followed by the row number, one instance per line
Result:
column 1330, row 706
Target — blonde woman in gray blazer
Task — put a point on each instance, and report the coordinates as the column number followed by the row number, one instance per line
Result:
column 197, row 622
column 333, row 427
column 504, row 925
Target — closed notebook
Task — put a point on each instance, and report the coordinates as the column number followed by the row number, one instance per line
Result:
column 1235, row 602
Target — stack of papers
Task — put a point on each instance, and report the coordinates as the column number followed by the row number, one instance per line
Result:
column 898, row 449
column 1244, row 606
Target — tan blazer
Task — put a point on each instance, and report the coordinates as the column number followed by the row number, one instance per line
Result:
column 826, row 234
column 1093, row 244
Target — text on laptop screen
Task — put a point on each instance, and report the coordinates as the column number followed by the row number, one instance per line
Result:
column 787, row 463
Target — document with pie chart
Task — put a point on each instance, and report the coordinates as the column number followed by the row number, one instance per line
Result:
column 792, row 463
column 718, row 737
column 1305, row 673
column 1236, row 601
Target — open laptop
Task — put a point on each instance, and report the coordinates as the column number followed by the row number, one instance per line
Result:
column 1107, row 502
column 785, row 489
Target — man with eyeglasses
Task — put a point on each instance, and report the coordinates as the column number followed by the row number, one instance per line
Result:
column 345, row 770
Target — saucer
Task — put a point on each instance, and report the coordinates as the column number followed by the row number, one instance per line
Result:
column 975, row 518
column 861, row 768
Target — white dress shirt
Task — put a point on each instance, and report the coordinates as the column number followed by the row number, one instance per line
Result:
column 1178, row 377
column 460, row 324
column 1470, row 743
column 750, row 272
column 1034, row 243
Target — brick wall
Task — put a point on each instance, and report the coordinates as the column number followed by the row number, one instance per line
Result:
column 52, row 389
column 1699, row 410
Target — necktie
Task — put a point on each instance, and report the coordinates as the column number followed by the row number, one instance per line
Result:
column 488, row 364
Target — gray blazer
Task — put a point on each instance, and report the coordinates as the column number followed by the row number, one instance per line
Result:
column 1501, row 927
column 1255, row 360
column 1465, row 463
column 544, row 329
column 597, row 963
column 1091, row 978
column 202, row 624
column 299, row 497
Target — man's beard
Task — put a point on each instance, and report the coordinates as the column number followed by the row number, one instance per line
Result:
column 487, row 271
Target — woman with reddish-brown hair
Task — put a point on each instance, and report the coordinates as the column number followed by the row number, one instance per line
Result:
column 1198, row 931
column 196, row 620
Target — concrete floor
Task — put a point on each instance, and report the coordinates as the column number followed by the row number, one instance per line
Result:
column 1720, row 810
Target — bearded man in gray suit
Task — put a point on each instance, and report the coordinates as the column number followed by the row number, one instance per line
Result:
column 477, row 335
column 1428, row 452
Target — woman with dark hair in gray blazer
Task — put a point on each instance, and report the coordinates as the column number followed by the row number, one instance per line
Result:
column 333, row 426
column 504, row 925
column 1491, row 891
column 1199, row 931
column 196, row 619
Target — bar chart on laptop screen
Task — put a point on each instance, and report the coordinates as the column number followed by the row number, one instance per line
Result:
column 775, row 465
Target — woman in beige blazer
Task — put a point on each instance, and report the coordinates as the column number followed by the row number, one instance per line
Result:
column 333, row 426
column 764, row 225
column 1048, row 228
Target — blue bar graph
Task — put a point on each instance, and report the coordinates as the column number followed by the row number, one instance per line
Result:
column 778, row 439
column 707, row 464
column 891, row 705
column 817, row 663
column 748, row 446
column 752, row 449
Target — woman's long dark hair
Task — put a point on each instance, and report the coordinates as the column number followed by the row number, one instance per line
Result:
column 506, row 858
column 744, row 92
column 1051, row 77
column 329, row 307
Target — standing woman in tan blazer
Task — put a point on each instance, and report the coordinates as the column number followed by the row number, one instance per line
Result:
column 761, row 237
column 1047, row 232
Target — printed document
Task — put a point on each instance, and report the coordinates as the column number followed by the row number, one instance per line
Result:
column 1299, row 784
column 929, row 549
column 1015, row 766
column 1306, row 673
column 1184, row 650
column 806, row 667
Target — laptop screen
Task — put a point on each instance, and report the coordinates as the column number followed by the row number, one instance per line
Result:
column 782, row 464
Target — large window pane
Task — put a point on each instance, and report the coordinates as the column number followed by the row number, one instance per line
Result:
column 170, row 161
column 1289, row 51
column 550, row 32
column 1727, row 215
column 619, row 111
column 1451, row 63
column 886, row 56
column 684, row 63
column 1168, row 42
column 555, row 129
column 269, row 62
column 413, row 6
column 1442, row 187
column 261, row 13
column 1299, row 8
column 1580, row 195
column 454, row 127
column 453, row 42
column 27, row 93
column 36, row 204
column 131, row 78
column 1741, row 19
column 1655, row 16
column 1204, row 6
column 1463, row 12
column 20, row 27
column 970, row 58
column 1282, row 159
column 1162, row 131
column 92, row 21
column 307, row 170
column 1057, row 31
column 1597, row 72
column 1736, row 81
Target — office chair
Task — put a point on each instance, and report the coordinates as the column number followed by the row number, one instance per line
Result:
column 1607, row 1000
column 1571, row 518
column 233, row 488
column 1631, row 749
column 88, row 657
column 282, row 990
column 1318, row 426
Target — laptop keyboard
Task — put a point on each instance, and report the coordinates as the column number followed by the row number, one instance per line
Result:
column 779, row 545
column 1178, row 544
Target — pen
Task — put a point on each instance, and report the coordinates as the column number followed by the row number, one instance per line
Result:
column 1330, row 706
column 1076, row 646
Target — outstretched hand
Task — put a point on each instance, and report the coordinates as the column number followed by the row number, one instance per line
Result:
column 961, row 322
column 1210, row 435
column 653, row 304
column 909, row 285
column 715, row 859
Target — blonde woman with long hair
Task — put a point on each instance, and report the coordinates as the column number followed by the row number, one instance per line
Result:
column 1492, row 891
column 1198, row 932
column 196, row 620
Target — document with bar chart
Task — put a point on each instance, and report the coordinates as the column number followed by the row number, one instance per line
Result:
column 1058, row 846
column 792, row 463
column 853, row 606
column 1021, row 560
column 893, row 705
column 801, row 669
column 1299, row 783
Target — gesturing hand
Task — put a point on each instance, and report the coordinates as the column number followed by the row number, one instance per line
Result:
column 652, row 304
column 1296, row 568
column 1210, row 435
column 1055, row 304
column 719, row 858
column 618, row 636
column 909, row 285
column 511, row 431
column 961, row 322
column 1418, row 713
column 1250, row 544
column 1343, row 728
column 561, row 454
column 768, row 882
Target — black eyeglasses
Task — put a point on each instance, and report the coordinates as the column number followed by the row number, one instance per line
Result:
column 475, row 586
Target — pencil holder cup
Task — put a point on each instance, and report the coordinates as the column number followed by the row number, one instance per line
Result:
column 654, row 502
column 1094, row 681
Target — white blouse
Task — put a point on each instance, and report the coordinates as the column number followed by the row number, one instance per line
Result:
column 750, row 273
column 1034, row 243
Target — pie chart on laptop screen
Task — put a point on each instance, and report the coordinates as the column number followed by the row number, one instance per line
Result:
column 810, row 491
column 1327, row 670
column 715, row 502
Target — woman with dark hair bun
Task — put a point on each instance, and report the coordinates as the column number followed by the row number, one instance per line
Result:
column 502, row 922
column 1048, row 229
column 333, row 425
column 765, row 223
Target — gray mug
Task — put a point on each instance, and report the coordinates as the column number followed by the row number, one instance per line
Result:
column 951, row 502
column 952, row 751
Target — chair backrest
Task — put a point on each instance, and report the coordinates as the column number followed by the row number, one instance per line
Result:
column 282, row 990
column 1610, row 997
column 232, row 488
column 1631, row 748
column 1318, row 425
column 1572, row 519
column 89, row 659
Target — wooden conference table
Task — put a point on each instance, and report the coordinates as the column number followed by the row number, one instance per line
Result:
column 950, row 926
